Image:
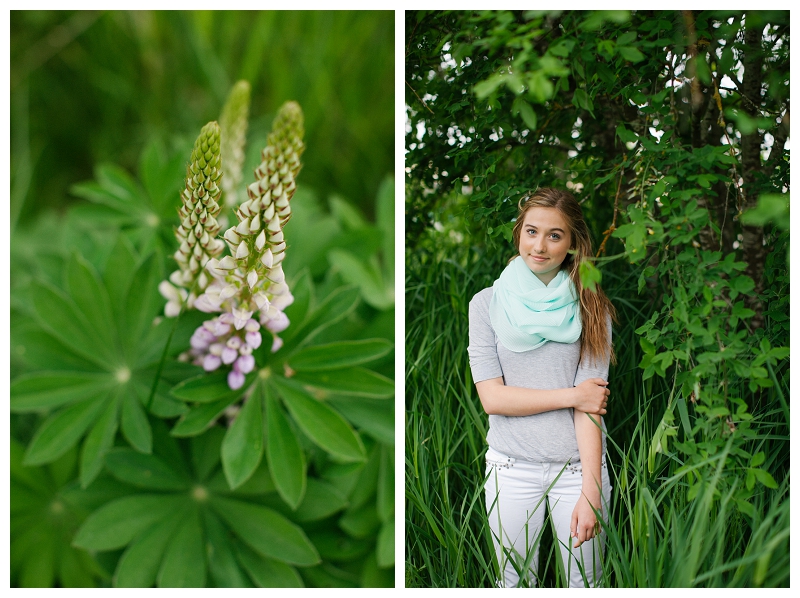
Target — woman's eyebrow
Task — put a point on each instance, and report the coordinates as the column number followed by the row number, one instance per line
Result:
column 550, row 230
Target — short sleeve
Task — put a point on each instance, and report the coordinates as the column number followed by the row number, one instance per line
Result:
column 598, row 368
column 482, row 349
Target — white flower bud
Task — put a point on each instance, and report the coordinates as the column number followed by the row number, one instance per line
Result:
column 244, row 227
column 267, row 258
column 227, row 263
column 274, row 224
column 228, row 292
column 172, row 309
column 261, row 300
column 255, row 223
column 232, row 237
column 277, row 275
column 261, row 240
column 242, row 251
column 168, row 291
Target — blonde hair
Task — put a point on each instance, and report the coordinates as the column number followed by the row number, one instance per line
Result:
column 595, row 306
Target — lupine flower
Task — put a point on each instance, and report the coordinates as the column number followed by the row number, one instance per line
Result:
column 251, row 279
column 233, row 128
column 248, row 286
column 197, row 233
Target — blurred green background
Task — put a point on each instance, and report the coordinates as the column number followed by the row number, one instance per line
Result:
column 90, row 87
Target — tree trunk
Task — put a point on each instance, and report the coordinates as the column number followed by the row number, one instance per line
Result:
column 753, row 250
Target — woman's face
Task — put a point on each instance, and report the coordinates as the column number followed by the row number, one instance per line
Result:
column 544, row 241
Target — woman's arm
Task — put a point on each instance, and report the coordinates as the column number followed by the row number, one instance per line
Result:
column 590, row 447
column 499, row 399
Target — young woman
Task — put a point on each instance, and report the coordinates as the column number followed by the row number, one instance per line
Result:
column 539, row 350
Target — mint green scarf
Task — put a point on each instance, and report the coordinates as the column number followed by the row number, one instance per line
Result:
column 525, row 313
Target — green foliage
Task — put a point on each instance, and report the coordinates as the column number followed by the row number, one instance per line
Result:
column 113, row 81
column 635, row 113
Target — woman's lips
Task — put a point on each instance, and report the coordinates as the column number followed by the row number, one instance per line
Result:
column 538, row 259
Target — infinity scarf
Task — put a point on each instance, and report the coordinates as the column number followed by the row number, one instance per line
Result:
column 525, row 313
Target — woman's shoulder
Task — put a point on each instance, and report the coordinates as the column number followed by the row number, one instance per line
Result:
column 482, row 298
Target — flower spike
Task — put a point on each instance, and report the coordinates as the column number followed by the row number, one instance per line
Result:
column 197, row 232
column 233, row 129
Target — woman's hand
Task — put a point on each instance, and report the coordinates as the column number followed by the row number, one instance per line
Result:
column 584, row 525
column 591, row 396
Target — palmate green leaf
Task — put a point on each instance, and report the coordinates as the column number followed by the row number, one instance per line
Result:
column 135, row 426
column 40, row 572
column 46, row 390
column 43, row 517
column 114, row 525
column 336, row 306
column 63, row 319
column 324, row 426
column 287, row 462
column 144, row 471
column 366, row 276
column 164, row 405
column 321, row 500
column 98, row 441
column 339, row 355
column 205, row 451
column 357, row 381
column 385, row 548
column 222, row 564
column 139, row 564
column 119, row 269
column 184, row 563
column 334, row 545
column 61, row 431
column 91, row 298
column 361, row 522
column 267, row 573
column 244, row 442
column 384, row 215
column 302, row 291
column 268, row 532
column 366, row 482
column 200, row 418
column 376, row 418
column 43, row 351
column 385, row 492
column 206, row 388
column 143, row 303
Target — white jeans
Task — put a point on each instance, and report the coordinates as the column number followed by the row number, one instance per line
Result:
column 515, row 500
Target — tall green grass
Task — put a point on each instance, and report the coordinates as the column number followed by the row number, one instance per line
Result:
column 656, row 535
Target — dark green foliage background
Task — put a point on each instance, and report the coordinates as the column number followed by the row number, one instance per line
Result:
column 90, row 87
column 695, row 260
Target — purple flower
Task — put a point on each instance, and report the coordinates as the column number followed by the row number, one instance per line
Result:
column 235, row 380
column 245, row 364
column 253, row 339
column 211, row 362
column 279, row 323
column 202, row 338
column 277, row 344
column 229, row 355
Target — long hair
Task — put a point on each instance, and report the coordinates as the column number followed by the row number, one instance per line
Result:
column 595, row 306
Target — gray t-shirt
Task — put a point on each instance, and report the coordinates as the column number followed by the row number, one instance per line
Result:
column 547, row 437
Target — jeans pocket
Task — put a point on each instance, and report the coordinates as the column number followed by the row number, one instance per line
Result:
column 497, row 459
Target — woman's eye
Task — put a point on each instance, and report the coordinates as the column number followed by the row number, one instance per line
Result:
column 555, row 236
